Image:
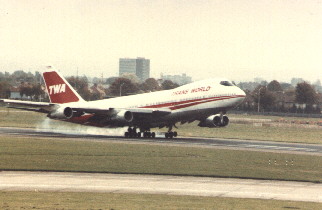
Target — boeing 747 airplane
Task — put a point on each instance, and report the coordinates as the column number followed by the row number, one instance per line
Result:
column 206, row 101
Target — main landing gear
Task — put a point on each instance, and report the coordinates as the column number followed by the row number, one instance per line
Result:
column 145, row 133
column 132, row 133
column 171, row 134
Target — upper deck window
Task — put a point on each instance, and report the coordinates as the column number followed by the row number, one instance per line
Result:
column 226, row 83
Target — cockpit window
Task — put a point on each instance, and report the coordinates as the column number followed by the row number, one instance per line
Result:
column 226, row 83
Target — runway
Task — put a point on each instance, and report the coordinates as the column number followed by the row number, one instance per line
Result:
column 169, row 185
column 311, row 149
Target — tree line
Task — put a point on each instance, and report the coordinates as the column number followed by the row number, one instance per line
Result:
column 273, row 97
column 31, row 86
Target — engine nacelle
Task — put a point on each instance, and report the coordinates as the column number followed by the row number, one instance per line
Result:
column 62, row 113
column 214, row 121
column 123, row 116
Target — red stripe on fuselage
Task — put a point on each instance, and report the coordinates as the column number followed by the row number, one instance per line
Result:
column 187, row 103
column 170, row 104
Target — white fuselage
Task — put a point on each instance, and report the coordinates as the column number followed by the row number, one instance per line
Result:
column 187, row 103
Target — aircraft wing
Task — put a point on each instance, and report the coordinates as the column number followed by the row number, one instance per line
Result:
column 109, row 111
column 28, row 105
column 112, row 111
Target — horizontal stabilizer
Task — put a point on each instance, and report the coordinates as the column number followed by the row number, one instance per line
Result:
column 27, row 105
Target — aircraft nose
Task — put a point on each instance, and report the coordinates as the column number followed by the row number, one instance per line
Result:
column 241, row 92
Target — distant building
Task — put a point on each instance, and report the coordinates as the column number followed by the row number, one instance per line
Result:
column 179, row 79
column 15, row 94
column 137, row 66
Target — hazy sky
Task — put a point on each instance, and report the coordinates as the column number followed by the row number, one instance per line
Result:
column 238, row 39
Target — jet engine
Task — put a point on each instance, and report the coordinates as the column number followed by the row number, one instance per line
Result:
column 123, row 116
column 62, row 113
column 214, row 121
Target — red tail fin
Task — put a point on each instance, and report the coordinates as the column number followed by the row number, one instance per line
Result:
column 59, row 90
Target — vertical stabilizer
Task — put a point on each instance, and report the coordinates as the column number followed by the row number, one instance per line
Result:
column 59, row 90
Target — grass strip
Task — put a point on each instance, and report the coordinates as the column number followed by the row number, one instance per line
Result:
column 85, row 156
column 75, row 200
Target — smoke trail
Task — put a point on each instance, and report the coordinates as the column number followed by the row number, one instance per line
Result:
column 55, row 126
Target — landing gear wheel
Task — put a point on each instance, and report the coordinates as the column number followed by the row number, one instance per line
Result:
column 126, row 134
column 175, row 134
column 170, row 134
column 153, row 135
column 147, row 135
column 131, row 133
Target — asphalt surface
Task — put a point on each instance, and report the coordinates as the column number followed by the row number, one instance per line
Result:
column 312, row 149
column 169, row 185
